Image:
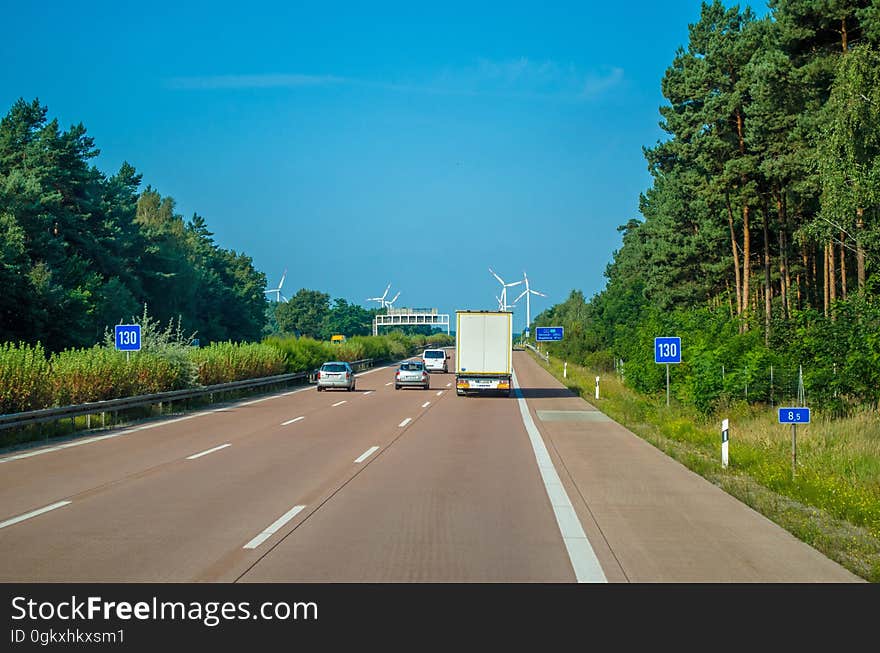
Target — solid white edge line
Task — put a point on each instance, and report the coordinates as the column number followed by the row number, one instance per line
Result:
column 426, row 404
column 273, row 527
column 369, row 452
column 291, row 421
column 339, row 403
column 33, row 513
column 405, row 422
column 205, row 453
column 583, row 559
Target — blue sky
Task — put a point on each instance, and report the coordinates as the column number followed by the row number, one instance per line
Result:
column 357, row 145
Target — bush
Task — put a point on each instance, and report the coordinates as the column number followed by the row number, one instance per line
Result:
column 86, row 375
column 24, row 378
column 29, row 381
column 226, row 361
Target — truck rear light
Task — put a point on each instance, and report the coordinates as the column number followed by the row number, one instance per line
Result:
column 319, row 375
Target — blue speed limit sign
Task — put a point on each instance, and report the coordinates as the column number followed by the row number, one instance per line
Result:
column 128, row 337
column 667, row 350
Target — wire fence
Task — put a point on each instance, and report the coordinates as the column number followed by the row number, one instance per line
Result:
column 775, row 385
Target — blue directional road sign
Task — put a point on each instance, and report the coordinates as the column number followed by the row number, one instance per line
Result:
column 794, row 415
column 543, row 334
column 667, row 350
column 128, row 337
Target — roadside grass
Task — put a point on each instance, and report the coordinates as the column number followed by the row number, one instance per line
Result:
column 833, row 501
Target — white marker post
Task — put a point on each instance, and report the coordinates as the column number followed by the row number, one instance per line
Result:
column 725, row 435
column 597, row 387
column 565, row 370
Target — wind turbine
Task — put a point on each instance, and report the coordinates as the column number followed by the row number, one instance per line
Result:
column 502, row 301
column 277, row 291
column 527, row 293
column 381, row 299
column 388, row 305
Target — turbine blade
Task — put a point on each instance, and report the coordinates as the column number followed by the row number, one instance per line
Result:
column 283, row 276
column 521, row 295
column 500, row 280
column 535, row 292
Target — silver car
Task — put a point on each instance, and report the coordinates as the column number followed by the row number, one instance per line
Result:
column 336, row 374
column 411, row 373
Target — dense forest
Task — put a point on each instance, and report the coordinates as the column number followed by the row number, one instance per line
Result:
column 759, row 240
column 81, row 251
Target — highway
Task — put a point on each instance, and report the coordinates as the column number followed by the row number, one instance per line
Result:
column 379, row 485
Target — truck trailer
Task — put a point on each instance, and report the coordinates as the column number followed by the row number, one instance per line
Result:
column 483, row 351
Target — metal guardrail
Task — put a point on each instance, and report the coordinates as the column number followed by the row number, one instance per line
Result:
column 543, row 357
column 13, row 420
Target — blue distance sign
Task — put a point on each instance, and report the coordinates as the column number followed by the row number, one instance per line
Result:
column 794, row 415
column 667, row 350
column 544, row 334
column 128, row 337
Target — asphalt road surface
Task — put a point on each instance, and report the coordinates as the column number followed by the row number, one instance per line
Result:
column 379, row 485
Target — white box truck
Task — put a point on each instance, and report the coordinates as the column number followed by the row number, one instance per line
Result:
column 483, row 351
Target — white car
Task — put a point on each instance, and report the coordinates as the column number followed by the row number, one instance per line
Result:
column 435, row 360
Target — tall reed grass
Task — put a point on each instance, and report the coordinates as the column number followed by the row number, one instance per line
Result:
column 30, row 380
column 24, row 378
column 226, row 361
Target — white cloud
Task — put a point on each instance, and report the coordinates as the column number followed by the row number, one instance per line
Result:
column 526, row 78
column 516, row 78
column 211, row 82
column 597, row 84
